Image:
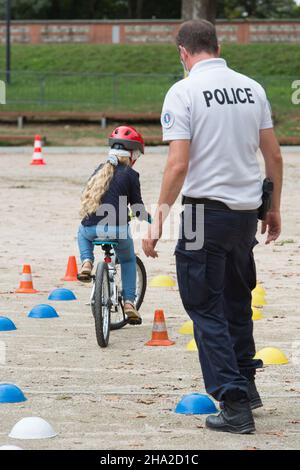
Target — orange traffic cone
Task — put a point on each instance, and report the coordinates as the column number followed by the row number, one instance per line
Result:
column 72, row 271
column 26, row 285
column 37, row 158
column 159, row 331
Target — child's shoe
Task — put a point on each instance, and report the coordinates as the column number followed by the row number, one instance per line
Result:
column 85, row 274
column 132, row 314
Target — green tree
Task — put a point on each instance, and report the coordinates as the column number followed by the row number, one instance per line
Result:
column 265, row 9
column 26, row 9
column 67, row 9
column 120, row 9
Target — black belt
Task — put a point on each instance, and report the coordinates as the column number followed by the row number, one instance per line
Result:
column 212, row 204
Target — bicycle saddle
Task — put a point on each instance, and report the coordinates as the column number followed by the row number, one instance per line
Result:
column 104, row 242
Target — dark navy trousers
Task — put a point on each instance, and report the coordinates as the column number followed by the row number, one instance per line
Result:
column 215, row 284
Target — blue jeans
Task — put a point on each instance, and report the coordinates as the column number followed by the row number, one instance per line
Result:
column 124, row 251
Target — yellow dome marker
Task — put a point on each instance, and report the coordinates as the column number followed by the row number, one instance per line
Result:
column 271, row 356
column 258, row 300
column 187, row 328
column 257, row 314
column 260, row 290
column 192, row 346
column 162, row 281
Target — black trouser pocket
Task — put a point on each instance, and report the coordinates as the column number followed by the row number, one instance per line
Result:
column 191, row 275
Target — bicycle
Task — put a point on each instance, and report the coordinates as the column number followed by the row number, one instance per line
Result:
column 106, row 301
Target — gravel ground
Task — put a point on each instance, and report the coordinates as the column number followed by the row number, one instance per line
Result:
column 123, row 397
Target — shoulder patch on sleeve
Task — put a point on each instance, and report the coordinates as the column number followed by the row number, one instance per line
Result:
column 167, row 119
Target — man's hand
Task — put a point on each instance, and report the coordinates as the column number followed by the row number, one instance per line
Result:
column 154, row 234
column 149, row 245
column 272, row 225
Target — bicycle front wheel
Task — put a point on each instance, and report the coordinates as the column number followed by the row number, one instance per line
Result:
column 102, row 305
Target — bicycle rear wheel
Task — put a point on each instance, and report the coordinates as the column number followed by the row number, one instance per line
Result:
column 141, row 282
column 118, row 319
column 102, row 305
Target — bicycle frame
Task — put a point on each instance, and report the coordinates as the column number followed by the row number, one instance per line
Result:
column 112, row 271
column 110, row 259
column 107, row 282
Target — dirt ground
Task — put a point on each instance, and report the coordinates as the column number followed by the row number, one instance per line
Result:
column 124, row 397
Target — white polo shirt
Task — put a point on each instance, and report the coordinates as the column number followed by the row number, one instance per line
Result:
column 221, row 112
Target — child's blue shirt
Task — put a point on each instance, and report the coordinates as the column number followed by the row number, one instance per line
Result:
column 126, row 183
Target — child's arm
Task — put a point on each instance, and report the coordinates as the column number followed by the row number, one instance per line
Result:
column 136, row 202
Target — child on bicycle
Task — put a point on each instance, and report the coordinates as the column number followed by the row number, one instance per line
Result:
column 104, row 208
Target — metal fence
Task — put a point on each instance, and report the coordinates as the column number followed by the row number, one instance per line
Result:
column 46, row 91
column 87, row 91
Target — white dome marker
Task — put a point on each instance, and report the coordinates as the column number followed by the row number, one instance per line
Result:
column 32, row 428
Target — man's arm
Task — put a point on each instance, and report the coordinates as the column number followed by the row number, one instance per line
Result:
column 173, row 178
column 274, row 170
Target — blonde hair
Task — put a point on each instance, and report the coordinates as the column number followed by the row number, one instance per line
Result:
column 97, row 186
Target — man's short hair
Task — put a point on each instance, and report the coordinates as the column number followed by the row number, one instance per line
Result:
column 198, row 36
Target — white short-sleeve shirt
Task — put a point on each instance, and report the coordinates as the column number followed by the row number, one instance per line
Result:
column 221, row 112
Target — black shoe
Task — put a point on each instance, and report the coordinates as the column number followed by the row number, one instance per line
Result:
column 255, row 400
column 236, row 417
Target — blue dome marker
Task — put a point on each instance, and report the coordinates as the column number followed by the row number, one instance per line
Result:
column 10, row 393
column 6, row 324
column 196, row 404
column 62, row 294
column 43, row 311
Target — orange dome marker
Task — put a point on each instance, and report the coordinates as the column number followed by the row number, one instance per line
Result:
column 37, row 158
column 26, row 284
column 159, row 331
column 72, row 271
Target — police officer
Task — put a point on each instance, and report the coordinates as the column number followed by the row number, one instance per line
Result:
column 215, row 121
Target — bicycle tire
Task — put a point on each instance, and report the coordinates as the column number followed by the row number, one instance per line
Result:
column 142, row 268
column 102, row 305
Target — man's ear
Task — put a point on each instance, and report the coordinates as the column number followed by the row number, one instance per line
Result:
column 183, row 50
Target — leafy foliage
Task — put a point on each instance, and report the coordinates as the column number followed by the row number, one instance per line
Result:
column 122, row 9
column 265, row 9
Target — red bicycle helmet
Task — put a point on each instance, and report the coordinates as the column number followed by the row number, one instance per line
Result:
column 127, row 136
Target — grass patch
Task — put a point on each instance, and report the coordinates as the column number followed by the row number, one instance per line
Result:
column 135, row 78
column 251, row 59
